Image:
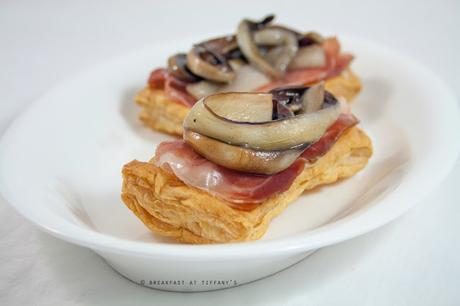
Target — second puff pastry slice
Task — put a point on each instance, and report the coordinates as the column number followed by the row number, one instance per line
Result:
column 258, row 57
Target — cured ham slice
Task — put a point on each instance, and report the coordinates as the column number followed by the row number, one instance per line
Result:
column 173, row 86
column 231, row 185
column 241, row 190
column 319, row 148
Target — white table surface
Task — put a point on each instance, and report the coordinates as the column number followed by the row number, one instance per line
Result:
column 412, row 261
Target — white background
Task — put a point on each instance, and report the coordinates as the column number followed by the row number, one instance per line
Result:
column 413, row 261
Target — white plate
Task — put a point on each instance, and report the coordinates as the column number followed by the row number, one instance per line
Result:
column 60, row 167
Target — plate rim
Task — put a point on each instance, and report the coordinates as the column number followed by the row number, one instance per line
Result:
column 296, row 243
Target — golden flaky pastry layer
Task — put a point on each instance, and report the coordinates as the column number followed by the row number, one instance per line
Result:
column 160, row 113
column 171, row 208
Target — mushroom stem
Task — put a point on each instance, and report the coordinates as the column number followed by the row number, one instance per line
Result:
column 250, row 50
column 313, row 98
column 286, row 46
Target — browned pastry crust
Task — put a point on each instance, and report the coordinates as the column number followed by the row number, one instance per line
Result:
column 346, row 85
column 171, row 208
column 160, row 113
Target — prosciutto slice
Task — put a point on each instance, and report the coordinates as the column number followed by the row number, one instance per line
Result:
column 173, row 86
column 236, row 187
column 322, row 146
column 336, row 62
column 241, row 190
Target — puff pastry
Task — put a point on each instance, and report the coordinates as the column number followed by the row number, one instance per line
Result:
column 160, row 113
column 171, row 208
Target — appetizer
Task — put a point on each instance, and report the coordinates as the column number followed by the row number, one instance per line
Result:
column 261, row 56
column 243, row 158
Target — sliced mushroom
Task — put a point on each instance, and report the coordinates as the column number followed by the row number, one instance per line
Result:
column 290, row 97
column 303, row 100
column 285, row 42
column 250, row 50
column 209, row 65
column 240, row 158
column 242, row 107
column 221, row 45
column 245, row 119
column 247, row 78
column 177, row 65
column 251, row 35
column 210, row 59
column 313, row 98
column 273, row 36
